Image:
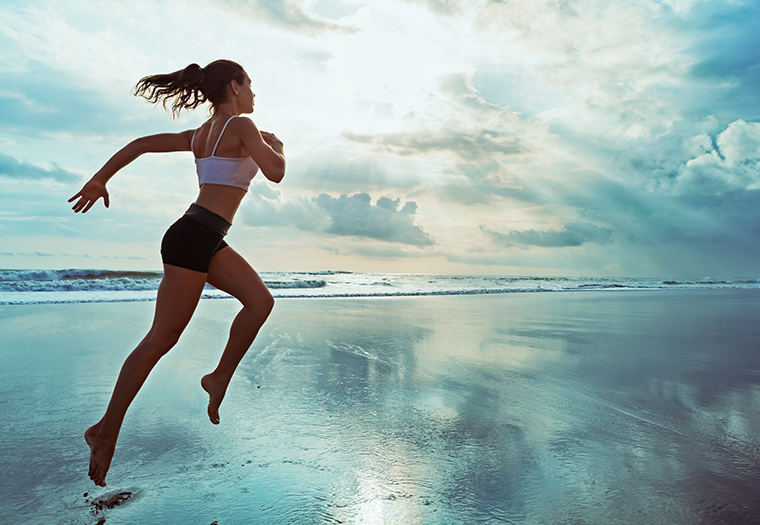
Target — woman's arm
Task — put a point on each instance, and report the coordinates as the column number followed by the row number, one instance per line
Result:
column 263, row 147
column 95, row 188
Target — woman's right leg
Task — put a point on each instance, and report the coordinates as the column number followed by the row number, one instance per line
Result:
column 178, row 295
column 231, row 273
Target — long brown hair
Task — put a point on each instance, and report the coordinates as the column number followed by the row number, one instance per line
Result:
column 190, row 87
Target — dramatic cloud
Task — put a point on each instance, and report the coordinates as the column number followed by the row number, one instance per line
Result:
column 574, row 234
column 346, row 215
column 355, row 215
column 733, row 165
column 21, row 170
column 472, row 148
column 740, row 142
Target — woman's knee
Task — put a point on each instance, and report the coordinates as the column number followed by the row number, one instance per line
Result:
column 265, row 306
column 262, row 306
column 161, row 341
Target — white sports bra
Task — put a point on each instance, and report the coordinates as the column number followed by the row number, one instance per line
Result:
column 225, row 171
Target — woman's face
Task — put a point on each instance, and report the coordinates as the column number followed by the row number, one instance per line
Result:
column 245, row 95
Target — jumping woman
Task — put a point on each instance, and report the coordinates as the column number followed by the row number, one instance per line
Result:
column 228, row 150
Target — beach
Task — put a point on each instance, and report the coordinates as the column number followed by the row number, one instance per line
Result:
column 563, row 407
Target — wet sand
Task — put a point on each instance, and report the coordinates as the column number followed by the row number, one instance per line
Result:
column 624, row 407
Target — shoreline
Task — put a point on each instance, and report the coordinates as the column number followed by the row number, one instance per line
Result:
column 442, row 293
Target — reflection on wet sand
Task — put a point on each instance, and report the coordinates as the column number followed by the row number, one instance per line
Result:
column 553, row 408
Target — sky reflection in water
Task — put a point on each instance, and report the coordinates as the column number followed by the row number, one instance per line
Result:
column 552, row 408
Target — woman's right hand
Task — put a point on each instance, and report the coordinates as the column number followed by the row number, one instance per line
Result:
column 89, row 195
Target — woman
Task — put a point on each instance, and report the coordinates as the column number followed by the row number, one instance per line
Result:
column 228, row 151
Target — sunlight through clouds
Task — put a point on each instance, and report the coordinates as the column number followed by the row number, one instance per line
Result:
column 571, row 137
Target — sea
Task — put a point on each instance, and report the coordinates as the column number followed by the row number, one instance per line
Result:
column 100, row 285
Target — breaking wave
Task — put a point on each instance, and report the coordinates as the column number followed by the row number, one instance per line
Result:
column 93, row 285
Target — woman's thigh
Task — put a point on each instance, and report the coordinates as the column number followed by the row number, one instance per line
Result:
column 232, row 274
column 178, row 295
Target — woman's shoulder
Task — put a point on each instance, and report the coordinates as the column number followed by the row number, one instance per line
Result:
column 241, row 124
column 241, row 120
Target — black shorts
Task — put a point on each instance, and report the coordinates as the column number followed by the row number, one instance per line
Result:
column 194, row 239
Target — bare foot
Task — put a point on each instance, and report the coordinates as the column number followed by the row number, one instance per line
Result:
column 101, row 453
column 216, row 391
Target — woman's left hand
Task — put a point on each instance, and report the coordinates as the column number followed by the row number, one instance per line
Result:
column 274, row 142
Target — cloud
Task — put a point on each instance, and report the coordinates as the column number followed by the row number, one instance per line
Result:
column 733, row 165
column 346, row 216
column 740, row 141
column 573, row 234
column 459, row 87
column 286, row 14
column 440, row 7
column 611, row 71
column 356, row 216
column 474, row 129
column 22, row 170
column 469, row 190
column 468, row 145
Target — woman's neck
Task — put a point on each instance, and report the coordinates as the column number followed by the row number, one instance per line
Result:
column 228, row 107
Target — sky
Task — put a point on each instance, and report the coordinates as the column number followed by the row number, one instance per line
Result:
column 508, row 137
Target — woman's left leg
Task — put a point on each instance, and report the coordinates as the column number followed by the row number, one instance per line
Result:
column 232, row 274
column 177, row 298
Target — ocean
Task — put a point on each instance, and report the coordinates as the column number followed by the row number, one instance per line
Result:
column 98, row 285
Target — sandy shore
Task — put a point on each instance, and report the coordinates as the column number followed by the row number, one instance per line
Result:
column 526, row 408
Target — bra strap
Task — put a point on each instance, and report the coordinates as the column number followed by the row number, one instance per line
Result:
column 192, row 140
column 220, row 135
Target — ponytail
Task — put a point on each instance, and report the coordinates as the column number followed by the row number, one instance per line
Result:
column 190, row 87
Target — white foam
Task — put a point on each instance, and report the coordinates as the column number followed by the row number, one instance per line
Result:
column 73, row 286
